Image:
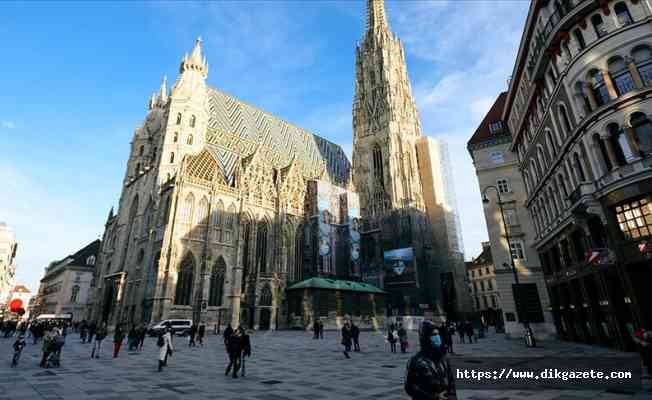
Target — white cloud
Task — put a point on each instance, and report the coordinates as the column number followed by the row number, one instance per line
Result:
column 8, row 124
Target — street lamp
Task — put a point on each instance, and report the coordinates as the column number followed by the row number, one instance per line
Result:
column 485, row 200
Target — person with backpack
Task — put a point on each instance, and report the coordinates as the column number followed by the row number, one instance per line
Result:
column 166, row 348
column 100, row 334
column 429, row 374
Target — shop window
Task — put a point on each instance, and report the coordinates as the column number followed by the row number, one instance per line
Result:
column 635, row 219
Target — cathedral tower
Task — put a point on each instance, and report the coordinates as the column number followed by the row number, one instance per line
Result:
column 386, row 128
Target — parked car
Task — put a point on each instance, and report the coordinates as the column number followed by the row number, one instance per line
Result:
column 179, row 327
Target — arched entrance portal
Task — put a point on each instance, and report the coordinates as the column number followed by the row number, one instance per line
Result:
column 265, row 308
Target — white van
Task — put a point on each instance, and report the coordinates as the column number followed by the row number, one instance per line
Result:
column 179, row 327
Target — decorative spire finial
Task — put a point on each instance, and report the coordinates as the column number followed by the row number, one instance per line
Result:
column 376, row 19
column 196, row 61
column 163, row 90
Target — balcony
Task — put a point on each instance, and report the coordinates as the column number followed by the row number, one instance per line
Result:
column 624, row 172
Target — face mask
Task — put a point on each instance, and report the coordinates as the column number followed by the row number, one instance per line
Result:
column 436, row 341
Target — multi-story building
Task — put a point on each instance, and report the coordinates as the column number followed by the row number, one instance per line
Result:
column 498, row 177
column 66, row 284
column 8, row 247
column 22, row 293
column 577, row 109
column 441, row 207
column 481, row 277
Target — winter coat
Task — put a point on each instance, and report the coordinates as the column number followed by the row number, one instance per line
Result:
column 428, row 374
column 167, row 346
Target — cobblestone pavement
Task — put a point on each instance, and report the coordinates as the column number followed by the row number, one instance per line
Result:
column 285, row 365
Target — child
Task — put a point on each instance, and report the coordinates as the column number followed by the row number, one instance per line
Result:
column 19, row 345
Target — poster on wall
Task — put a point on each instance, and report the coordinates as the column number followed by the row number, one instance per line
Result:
column 325, row 233
column 400, row 267
column 353, row 213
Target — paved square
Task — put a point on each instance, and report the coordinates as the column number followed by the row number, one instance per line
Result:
column 285, row 365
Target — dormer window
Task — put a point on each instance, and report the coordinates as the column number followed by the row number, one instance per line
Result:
column 90, row 260
column 496, row 127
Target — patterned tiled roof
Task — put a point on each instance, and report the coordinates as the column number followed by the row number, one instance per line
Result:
column 237, row 129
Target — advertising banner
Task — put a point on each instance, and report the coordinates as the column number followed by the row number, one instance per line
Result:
column 400, row 267
column 354, row 221
column 325, row 232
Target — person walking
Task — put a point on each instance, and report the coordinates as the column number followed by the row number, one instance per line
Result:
column 234, row 349
column 99, row 334
column 347, row 335
column 391, row 338
column 142, row 332
column 192, row 334
column 201, row 332
column 18, row 346
column 460, row 332
column 227, row 335
column 468, row 329
column 92, row 328
column 446, row 338
column 246, row 350
column 402, row 337
column 83, row 331
column 165, row 346
column 429, row 374
column 315, row 329
column 118, row 337
column 132, row 338
column 321, row 329
column 355, row 334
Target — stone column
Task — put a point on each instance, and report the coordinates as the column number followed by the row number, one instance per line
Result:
column 609, row 83
column 611, row 153
column 633, row 141
column 588, row 90
column 636, row 76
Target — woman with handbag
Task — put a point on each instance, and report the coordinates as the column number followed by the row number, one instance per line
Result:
column 165, row 345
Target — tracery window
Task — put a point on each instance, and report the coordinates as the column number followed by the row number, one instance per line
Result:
column 297, row 268
column 378, row 165
column 185, row 277
column 217, row 283
column 261, row 247
column 246, row 237
column 187, row 210
column 266, row 296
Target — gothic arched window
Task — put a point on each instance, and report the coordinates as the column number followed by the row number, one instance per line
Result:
column 185, row 277
column 193, row 120
column 217, row 283
column 172, row 158
column 297, row 268
column 563, row 116
column 202, row 212
column 179, row 119
column 579, row 168
column 187, row 210
column 266, row 296
column 261, row 247
column 378, row 165
column 189, row 140
column 141, row 150
column 175, row 138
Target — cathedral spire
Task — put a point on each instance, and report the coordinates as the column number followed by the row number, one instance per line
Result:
column 163, row 90
column 376, row 18
column 196, row 61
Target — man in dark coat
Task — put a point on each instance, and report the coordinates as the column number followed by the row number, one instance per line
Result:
column 246, row 350
column 315, row 329
column 429, row 375
column 193, row 333
column 227, row 335
column 468, row 329
column 234, row 348
column 355, row 334
column 346, row 338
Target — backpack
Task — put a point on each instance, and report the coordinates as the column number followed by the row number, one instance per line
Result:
column 160, row 342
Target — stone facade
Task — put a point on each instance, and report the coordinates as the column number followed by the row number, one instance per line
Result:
column 579, row 111
column 497, row 170
column 66, row 285
column 8, row 247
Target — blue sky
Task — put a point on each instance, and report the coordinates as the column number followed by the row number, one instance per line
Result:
column 76, row 78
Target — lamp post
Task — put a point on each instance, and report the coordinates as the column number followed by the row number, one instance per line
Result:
column 486, row 200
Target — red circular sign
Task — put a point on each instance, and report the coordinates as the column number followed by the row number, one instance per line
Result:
column 15, row 305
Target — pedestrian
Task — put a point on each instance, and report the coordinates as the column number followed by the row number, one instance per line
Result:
column 165, row 346
column 460, row 331
column 48, row 346
column 643, row 339
column 18, row 346
column 246, row 350
column 234, row 349
column 315, row 329
column 346, row 338
column 100, row 334
column 92, row 328
column 321, row 329
column 355, row 334
column 402, row 337
column 132, row 338
column 227, row 335
column 391, row 338
column 446, row 338
column 429, row 374
column 193, row 333
column 118, row 337
column 468, row 329
column 142, row 332
column 201, row 332
column 83, row 331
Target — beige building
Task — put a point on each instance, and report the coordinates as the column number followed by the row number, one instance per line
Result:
column 482, row 287
column 20, row 292
column 498, row 175
column 8, row 247
column 66, row 284
column 578, row 110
